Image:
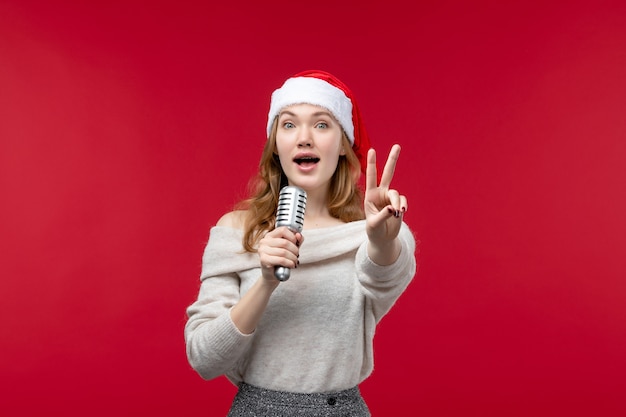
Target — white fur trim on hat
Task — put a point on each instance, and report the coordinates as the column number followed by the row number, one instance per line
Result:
column 310, row 90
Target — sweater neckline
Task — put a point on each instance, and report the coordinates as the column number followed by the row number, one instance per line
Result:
column 319, row 244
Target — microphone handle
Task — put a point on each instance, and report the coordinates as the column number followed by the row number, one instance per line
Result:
column 282, row 273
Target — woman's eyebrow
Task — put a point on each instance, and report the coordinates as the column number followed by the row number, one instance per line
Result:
column 316, row 114
column 321, row 113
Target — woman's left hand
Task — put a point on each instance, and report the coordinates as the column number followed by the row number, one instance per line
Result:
column 384, row 206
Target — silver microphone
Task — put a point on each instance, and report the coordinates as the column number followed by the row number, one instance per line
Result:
column 290, row 213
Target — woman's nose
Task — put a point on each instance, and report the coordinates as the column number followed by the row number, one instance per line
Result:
column 305, row 138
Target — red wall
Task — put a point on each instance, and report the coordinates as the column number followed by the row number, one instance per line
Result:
column 128, row 128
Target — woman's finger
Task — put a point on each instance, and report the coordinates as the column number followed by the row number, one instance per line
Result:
column 370, row 171
column 390, row 166
column 394, row 199
column 404, row 204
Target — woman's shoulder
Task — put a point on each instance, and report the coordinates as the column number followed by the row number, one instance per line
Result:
column 234, row 219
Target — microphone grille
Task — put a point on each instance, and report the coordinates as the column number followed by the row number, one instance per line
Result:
column 291, row 207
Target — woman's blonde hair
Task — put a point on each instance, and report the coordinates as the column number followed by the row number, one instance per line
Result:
column 345, row 198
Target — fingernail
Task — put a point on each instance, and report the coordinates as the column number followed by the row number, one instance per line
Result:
column 397, row 213
column 403, row 209
column 390, row 210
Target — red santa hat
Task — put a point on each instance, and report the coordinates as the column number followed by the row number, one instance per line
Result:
column 323, row 89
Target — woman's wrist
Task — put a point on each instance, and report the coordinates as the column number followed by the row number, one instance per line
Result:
column 269, row 283
column 384, row 253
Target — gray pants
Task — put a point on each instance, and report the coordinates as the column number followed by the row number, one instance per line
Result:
column 252, row 401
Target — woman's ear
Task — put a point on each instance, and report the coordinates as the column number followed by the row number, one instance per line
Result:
column 343, row 151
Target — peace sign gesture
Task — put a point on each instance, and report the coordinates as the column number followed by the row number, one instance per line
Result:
column 384, row 208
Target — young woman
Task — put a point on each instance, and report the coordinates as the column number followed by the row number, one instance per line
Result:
column 302, row 346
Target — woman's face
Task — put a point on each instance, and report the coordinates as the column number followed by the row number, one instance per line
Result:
column 308, row 142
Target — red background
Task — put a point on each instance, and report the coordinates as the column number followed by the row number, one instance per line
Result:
column 128, row 128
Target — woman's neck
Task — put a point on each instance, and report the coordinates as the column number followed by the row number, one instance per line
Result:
column 316, row 214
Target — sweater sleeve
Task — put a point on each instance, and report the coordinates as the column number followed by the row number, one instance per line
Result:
column 383, row 285
column 214, row 344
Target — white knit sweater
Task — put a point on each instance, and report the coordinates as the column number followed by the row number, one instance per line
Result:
column 316, row 334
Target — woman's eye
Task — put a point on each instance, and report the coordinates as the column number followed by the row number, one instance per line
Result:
column 322, row 125
column 288, row 125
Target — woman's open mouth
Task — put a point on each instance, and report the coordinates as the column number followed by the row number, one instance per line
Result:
column 306, row 161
